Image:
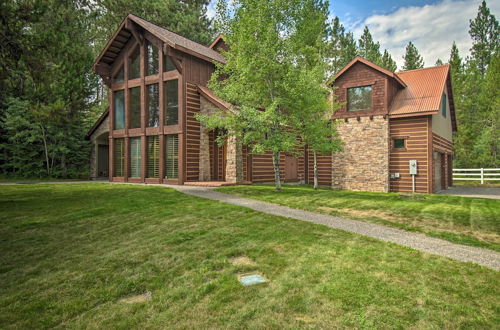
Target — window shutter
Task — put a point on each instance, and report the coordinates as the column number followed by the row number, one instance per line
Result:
column 153, row 156
column 135, row 157
column 118, row 158
column 171, row 156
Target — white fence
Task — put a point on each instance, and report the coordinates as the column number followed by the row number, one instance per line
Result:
column 476, row 174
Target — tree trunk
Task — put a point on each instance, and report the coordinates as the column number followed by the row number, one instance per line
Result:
column 276, row 164
column 64, row 168
column 46, row 151
column 315, row 170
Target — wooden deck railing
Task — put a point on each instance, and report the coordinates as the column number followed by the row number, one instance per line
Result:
column 476, row 174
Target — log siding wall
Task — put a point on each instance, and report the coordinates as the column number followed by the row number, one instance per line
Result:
column 415, row 131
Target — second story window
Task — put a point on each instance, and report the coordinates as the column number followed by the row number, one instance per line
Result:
column 135, row 107
column 153, row 105
column 168, row 65
column 119, row 76
column 134, row 70
column 119, row 105
column 359, row 98
column 151, row 59
column 171, row 102
column 443, row 105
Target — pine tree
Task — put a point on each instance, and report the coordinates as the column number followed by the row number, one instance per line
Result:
column 438, row 62
column 387, row 62
column 412, row 58
column 485, row 33
column 369, row 49
column 336, row 35
column 349, row 49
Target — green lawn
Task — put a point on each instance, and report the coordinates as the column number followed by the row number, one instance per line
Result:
column 71, row 252
column 464, row 220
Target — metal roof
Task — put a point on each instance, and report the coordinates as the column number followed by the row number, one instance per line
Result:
column 423, row 92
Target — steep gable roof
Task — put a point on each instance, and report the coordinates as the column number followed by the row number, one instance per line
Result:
column 359, row 59
column 174, row 40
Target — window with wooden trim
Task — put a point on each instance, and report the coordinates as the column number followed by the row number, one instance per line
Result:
column 443, row 105
column 134, row 69
column 152, row 64
column 118, row 157
column 171, row 156
column 135, row 107
column 119, row 109
column 153, row 160
column 399, row 143
column 135, row 157
column 359, row 98
column 153, row 105
column 119, row 76
column 171, row 97
column 168, row 65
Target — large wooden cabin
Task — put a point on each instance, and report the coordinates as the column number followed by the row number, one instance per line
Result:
column 158, row 82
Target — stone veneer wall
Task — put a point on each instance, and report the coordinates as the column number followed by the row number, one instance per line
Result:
column 234, row 157
column 206, row 108
column 95, row 140
column 363, row 164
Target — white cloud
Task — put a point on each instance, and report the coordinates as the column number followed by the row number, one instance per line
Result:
column 432, row 28
column 211, row 9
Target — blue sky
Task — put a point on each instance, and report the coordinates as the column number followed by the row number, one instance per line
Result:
column 431, row 25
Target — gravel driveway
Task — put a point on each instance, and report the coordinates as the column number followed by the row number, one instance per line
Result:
column 486, row 192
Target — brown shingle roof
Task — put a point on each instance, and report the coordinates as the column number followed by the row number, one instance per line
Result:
column 423, row 92
column 177, row 41
column 172, row 39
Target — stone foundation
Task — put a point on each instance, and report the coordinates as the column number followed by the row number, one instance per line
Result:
column 363, row 165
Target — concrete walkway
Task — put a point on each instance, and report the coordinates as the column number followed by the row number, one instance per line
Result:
column 484, row 257
column 486, row 192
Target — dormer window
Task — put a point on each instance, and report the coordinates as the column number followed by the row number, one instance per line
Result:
column 134, row 70
column 152, row 59
column 359, row 98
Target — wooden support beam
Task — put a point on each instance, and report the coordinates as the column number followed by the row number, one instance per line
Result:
column 129, row 25
column 167, row 50
column 103, row 70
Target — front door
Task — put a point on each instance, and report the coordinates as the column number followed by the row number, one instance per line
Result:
column 290, row 168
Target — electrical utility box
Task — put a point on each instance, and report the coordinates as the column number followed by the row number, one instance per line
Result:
column 413, row 167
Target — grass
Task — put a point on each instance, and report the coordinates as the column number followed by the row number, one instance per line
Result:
column 470, row 221
column 71, row 253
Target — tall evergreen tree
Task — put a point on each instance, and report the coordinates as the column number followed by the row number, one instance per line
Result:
column 438, row 62
column 349, row 49
column 485, row 34
column 336, row 35
column 387, row 62
column 368, row 48
column 412, row 58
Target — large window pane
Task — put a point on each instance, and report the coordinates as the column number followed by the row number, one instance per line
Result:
column 152, row 64
column 135, row 107
column 168, row 65
column 119, row 157
column 171, row 156
column 153, row 106
column 134, row 70
column 359, row 98
column 153, row 157
column 135, row 157
column 119, row 104
column 171, row 102
column 119, row 76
